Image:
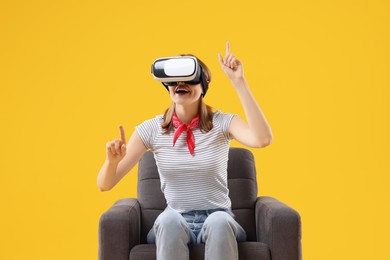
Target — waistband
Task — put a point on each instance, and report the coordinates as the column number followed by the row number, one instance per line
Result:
column 209, row 211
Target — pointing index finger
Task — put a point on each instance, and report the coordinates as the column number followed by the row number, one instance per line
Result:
column 123, row 137
column 227, row 48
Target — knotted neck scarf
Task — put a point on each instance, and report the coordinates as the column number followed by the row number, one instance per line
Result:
column 181, row 127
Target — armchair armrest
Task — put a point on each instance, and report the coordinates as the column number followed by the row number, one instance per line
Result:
column 279, row 226
column 119, row 230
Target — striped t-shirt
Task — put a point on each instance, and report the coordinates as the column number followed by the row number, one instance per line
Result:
column 191, row 182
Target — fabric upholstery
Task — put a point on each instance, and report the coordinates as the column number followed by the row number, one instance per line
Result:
column 279, row 226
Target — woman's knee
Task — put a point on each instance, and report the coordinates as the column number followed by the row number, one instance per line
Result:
column 219, row 220
column 172, row 224
column 222, row 224
column 169, row 218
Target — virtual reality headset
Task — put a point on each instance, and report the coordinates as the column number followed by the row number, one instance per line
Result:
column 170, row 70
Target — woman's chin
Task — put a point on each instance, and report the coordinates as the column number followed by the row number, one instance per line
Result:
column 184, row 101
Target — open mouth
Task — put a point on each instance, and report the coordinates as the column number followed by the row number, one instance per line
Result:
column 181, row 91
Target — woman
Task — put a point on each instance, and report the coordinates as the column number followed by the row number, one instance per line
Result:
column 190, row 144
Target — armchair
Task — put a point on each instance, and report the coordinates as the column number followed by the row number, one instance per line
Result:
column 273, row 228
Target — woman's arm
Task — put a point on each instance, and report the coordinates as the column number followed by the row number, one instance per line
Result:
column 257, row 133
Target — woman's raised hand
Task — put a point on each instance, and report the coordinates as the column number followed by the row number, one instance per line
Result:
column 231, row 65
column 116, row 149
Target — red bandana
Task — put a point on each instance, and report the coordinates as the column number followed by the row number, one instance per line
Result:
column 183, row 127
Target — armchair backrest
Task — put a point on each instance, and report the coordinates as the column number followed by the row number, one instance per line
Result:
column 241, row 182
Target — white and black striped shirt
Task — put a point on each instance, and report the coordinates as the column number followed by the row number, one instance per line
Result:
column 190, row 182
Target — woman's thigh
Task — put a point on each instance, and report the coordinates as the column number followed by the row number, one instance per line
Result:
column 222, row 224
column 171, row 223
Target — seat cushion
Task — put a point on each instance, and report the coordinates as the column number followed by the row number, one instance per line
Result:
column 246, row 250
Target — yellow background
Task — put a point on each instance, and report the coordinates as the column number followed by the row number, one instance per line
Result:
column 72, row 71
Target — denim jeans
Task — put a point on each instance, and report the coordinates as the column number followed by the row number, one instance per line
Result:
column 217, row 228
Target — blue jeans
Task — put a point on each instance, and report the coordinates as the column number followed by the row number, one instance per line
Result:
column 217, row 228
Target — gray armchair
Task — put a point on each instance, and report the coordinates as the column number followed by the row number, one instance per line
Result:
column 273, row 229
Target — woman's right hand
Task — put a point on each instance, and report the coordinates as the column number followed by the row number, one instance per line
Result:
column 116, row 149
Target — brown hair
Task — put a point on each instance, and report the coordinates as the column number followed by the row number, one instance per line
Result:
column 205, row 111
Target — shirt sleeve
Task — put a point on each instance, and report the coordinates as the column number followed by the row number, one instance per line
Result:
column 224, row 120
column 148, row 131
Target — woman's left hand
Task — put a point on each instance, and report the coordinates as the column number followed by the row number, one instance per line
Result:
column 231, row 65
